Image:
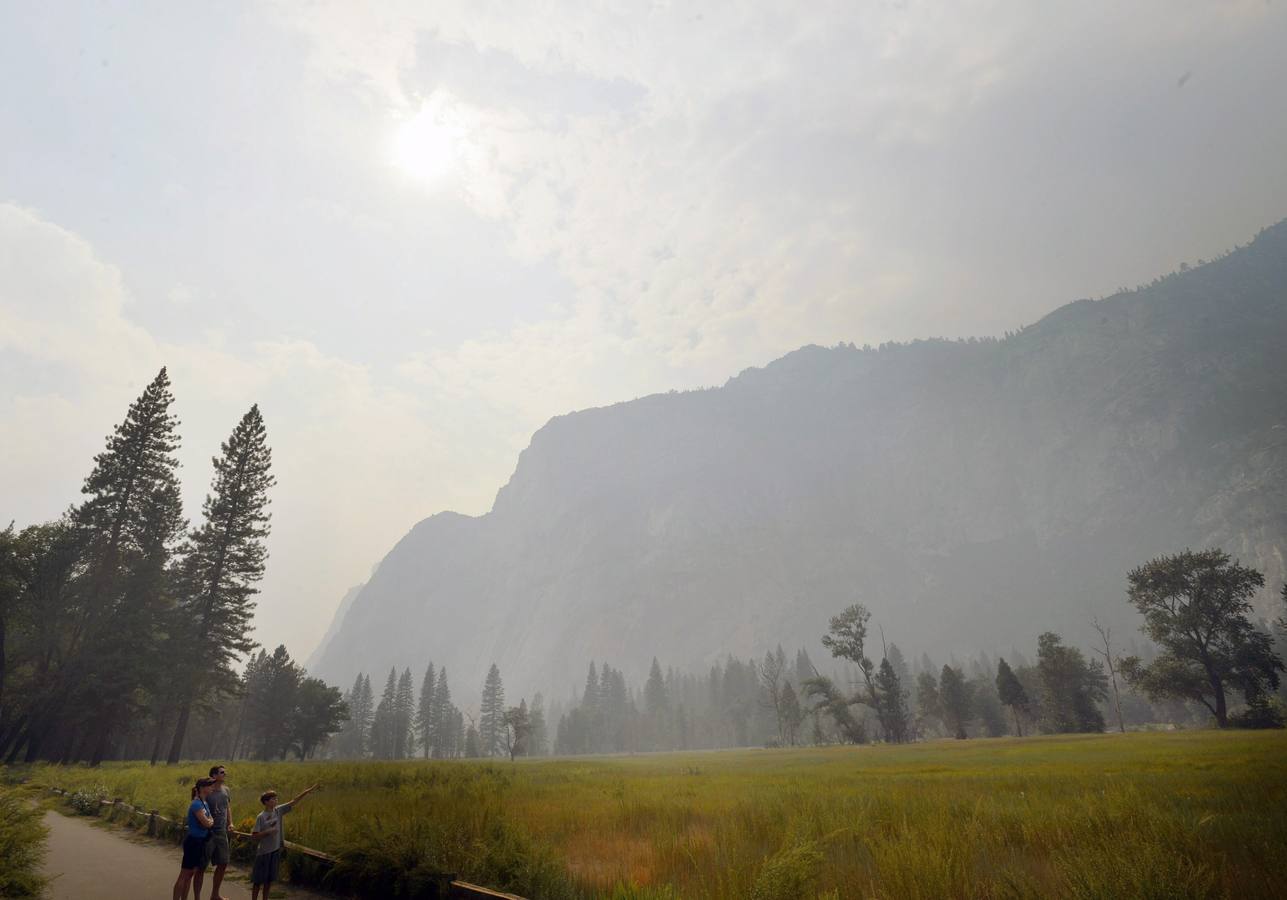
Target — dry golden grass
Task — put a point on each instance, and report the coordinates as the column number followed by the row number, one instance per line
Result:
column 1196, row 814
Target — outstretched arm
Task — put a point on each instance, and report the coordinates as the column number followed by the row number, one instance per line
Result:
column 306, row 792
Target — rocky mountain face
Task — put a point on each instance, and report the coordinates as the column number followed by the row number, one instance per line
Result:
column 971, row 493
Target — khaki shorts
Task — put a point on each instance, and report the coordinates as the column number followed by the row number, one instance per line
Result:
column 217, row 849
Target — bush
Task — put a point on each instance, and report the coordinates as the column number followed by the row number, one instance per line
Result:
column 789, row 874
column 87, row 802
column 22, row 847
column 1260, row 713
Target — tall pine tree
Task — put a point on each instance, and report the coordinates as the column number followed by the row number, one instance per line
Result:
column 425, row 712
column 223, row 565
column 491, row 713
column 127, row 525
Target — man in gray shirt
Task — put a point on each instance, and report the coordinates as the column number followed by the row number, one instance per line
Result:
column 217, row 850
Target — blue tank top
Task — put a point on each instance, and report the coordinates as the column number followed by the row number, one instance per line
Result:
column 195, row 828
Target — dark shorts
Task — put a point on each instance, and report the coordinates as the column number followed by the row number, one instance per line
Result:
column 194, row 853
column 217, row 849
column 265, row 869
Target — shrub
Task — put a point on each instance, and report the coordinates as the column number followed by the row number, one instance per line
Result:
column 22, row 847
column 87, row 802
column 789, row 874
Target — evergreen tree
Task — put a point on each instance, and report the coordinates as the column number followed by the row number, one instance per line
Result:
column 539, row 741
column 426, row 712
column 473, row 743
column 985, row 703
column 271, row 705
column 403, row 712
column 954, row 698
column 792, row 715
column 1071, row 688
column 928, row 703
column 445, row 733
column 127, row 526
column 384, row 722
column 363, row 713
column 491, row 713
column 224, row 561
column 1012, row 694
column 893, row 713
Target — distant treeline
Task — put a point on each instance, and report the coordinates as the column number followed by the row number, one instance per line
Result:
column 1206, row 653
column 121, row 628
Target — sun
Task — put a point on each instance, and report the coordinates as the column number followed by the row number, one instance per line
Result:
column 426, row 146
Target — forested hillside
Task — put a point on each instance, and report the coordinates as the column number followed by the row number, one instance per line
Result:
column 971, row 493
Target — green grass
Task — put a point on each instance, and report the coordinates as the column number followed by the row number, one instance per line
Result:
column 22, row 846
column 1195, row 814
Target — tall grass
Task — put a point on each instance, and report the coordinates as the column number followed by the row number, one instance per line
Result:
column 22, row 846
column 1197, row 814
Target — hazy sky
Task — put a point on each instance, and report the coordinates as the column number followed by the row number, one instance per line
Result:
column 413, row 232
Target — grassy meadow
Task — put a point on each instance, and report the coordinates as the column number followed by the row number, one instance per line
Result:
column 1191, row 814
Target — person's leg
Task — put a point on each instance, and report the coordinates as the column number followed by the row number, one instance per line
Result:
column 198, row 876
column 181, row 886
column 216, row 882
column 221, row 854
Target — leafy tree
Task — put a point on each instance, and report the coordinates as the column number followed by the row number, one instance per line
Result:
column 955, row 701
column 319, row 712
column 491, row 713
column 824, row 695
column 772, row 677
column 1012, row 694
column 1196, row 607
column 516, row 727
column 223, row 563
column 1071, row 688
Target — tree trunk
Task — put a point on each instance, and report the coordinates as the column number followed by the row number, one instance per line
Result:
column 1221, row 713
column 180, row 732
column 100, row 745
column 162, row 720
column 1018, row 725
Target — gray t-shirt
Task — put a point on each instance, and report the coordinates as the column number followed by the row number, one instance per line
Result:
column 271, row 820
column 218, row 803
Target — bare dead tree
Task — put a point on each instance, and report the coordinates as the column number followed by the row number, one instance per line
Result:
column 1106, row 635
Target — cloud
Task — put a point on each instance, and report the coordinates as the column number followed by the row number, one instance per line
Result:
column 357, row 461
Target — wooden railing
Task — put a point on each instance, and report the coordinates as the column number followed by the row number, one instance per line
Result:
column 158, row 826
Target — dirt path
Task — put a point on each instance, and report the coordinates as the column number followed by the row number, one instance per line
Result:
column 92, row 861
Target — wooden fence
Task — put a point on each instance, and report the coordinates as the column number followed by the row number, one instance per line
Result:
column 158, row 826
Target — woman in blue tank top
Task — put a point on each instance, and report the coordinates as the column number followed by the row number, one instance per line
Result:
column 194, row 845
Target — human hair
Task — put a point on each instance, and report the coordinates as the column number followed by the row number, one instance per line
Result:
column 201, row 782
column 214, row 770
column 266, row 796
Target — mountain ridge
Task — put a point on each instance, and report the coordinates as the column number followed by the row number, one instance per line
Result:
column 959, row 488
